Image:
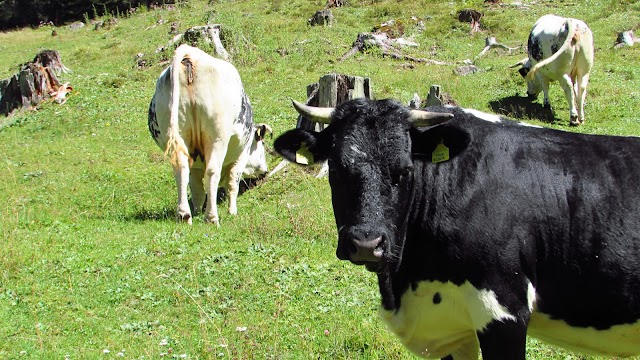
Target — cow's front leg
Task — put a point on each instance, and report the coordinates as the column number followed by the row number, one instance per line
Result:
column 504, row 340
column 181, row 174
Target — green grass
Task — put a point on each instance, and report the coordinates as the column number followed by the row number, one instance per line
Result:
column 91, row 258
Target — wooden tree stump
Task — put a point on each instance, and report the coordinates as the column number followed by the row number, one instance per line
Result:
column 322, row 17
column 625, row 38
column 330, row 91
column 35, row 82
column 207, row 34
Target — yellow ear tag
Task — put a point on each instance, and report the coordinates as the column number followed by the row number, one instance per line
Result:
column 440, row 154
column 303, row 155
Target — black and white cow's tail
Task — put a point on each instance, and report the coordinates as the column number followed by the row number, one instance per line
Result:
column 175, row 143
column 572, row 37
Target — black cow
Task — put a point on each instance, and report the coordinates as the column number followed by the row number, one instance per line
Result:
column 482, row 229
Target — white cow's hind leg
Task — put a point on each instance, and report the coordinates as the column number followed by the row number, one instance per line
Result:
column 198, row 193
column 181, row 174
column 211, row 181
column 567, row 86
column 234, row 175
column 581, row 94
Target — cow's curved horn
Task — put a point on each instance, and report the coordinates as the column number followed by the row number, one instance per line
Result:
column 421, row 118
column 519, row 63
column 317, row 114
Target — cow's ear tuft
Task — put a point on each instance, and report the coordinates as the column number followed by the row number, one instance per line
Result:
column 300, row 146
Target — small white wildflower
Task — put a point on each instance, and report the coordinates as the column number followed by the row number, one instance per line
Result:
column 241, row 328
column 106, row 351
column 183, row 356
column 23, row 352
column 164, row 342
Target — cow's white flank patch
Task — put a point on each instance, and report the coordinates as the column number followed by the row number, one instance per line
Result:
column 483, row 115
column 438, row 319
column 617, row 341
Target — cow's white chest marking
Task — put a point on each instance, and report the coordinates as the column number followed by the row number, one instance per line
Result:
column 438, row 319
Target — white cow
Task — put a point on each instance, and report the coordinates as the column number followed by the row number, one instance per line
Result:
column 201, row 117
column 559, row 49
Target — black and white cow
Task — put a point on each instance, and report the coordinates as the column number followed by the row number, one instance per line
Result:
column 201, row 117
column 482, row 230
column 560, row 49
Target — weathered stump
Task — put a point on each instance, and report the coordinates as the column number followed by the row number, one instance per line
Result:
column 211, row 35
column 322, row 17
column 35, row 82
column 625, row 38
column 330, row 91
column 208, row 34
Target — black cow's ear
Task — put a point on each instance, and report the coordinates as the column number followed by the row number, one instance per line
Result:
column 301, row 146
column 439, row 144
column 523, row 72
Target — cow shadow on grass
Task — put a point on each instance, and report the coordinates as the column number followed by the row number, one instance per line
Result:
column 520, row 107
column 169, row 213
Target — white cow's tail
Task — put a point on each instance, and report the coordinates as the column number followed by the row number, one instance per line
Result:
column 175, row 143
column 572, row 37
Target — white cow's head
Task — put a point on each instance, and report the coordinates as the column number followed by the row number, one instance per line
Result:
column 534, row 86
column 257, row 164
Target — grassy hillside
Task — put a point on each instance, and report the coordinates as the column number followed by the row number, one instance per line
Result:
column 92, row 263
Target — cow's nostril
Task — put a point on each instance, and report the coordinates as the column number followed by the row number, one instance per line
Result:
column 366, row 250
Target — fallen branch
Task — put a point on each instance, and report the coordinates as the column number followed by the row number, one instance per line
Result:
column 492, row 43
column 388, row 46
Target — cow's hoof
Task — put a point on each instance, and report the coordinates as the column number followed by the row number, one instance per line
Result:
column 574, row 121
column 185, row 217
column 212, row 220
column 233, row 211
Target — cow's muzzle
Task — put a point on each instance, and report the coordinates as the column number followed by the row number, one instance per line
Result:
column 362, row 251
